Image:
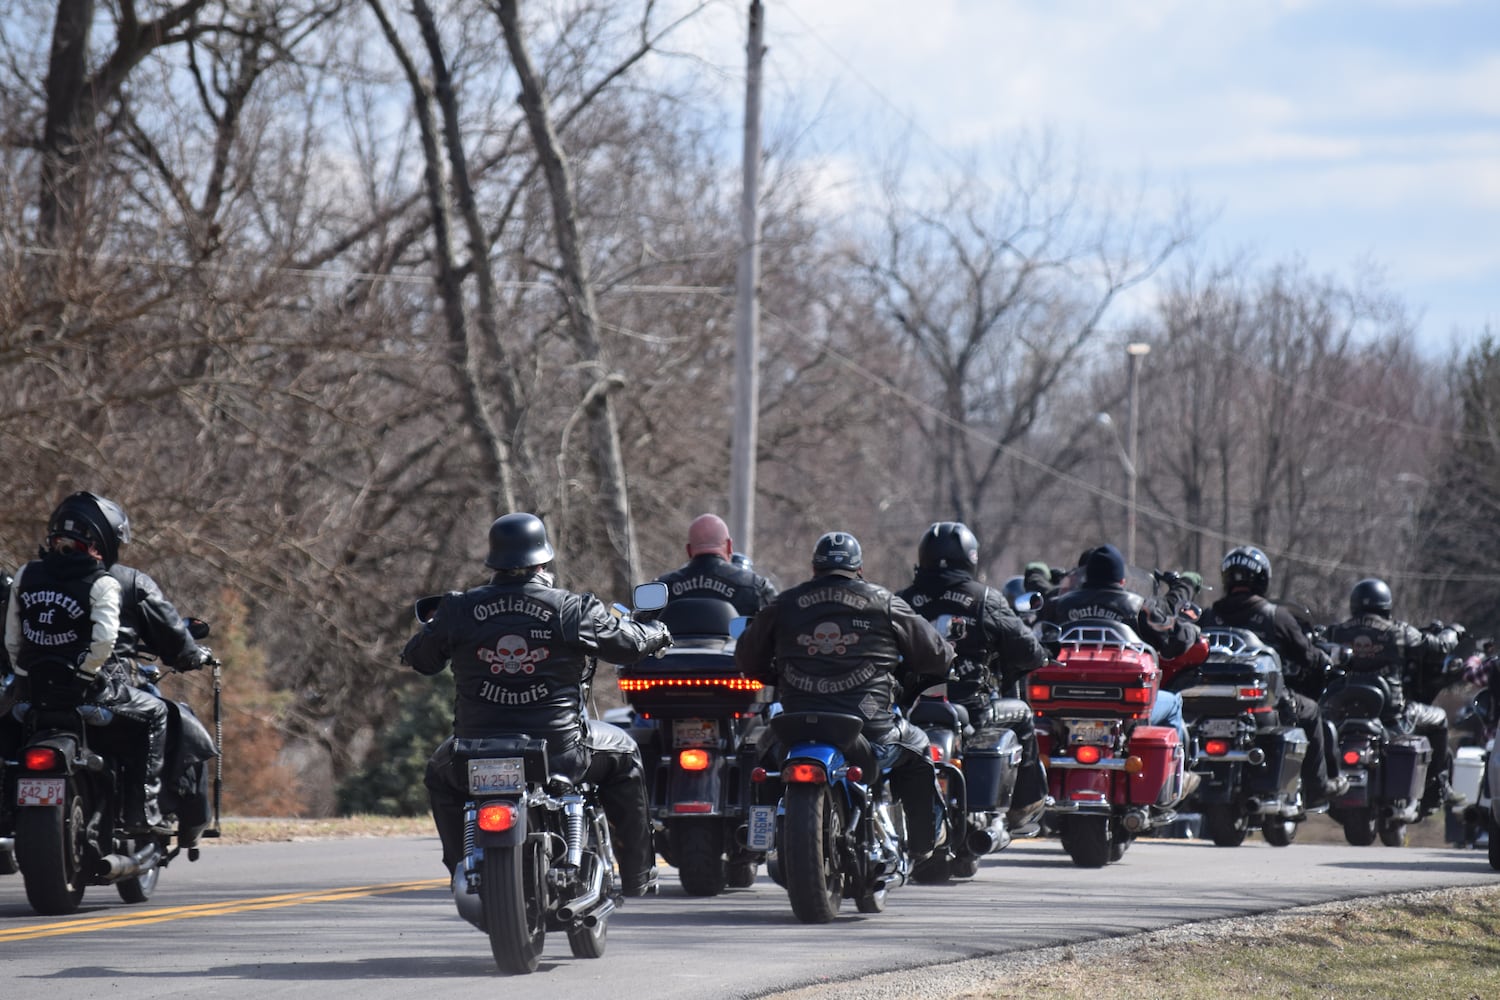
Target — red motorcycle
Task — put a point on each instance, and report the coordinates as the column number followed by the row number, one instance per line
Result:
column 1111, row 775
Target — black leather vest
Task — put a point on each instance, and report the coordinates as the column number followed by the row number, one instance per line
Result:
column 963, row 599
column 53, row 604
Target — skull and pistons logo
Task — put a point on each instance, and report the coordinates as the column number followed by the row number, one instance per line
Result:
column 511, row 655
column 828, row 637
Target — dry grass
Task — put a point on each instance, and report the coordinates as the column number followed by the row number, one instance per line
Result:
column 264, row 831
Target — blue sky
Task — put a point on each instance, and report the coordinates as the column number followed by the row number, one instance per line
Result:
column 1341, row 133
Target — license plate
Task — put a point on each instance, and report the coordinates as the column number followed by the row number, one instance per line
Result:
column 40, row 791
column 1218, row 728
column 1092, row 731
column 760, row 831
column 695, row 732
column 503, row 774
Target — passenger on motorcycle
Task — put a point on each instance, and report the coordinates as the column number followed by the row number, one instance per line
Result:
column 712, row 572
column 996, row 650
column 78, row 574
column 1246, row 574
column 1382, row 645
column 838, row 643
column 1101, row 596
column 522, row 652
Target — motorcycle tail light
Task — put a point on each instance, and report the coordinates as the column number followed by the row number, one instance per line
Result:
column 692, row 807
column 1087, row 755
column 41, row 759
column 1354, row 757
column 1216, row 748
column 1139, row 696
column 497, row 817
column 855, row 772
column 1252, row 693
column 759, row 775
column 1041, row 692
column 693, row 760
column 804, row 774
column 935, row 752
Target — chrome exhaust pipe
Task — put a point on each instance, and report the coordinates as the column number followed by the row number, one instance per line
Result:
column 117, row 866
column 598, row 913
column 1254, row 806
column 1256, row 756
column 994, row 837
column 581, row 905
column 1136, row 821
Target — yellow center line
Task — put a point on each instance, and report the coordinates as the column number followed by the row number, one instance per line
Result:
column 141, row 918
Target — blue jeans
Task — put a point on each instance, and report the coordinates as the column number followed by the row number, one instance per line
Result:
column 1167, row 711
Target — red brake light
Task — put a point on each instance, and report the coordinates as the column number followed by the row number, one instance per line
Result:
column 854, row 772
column 759, row 775
column 1138, row 696
column 41, row 759
column 1087, row 754
column 935, row 752
column 497, row 817
column 1041, row 692
column 805, row 774
column 1252, row 693
column 1216, row 748
column 693, row 760
column 629, row 684
column 1352, row 757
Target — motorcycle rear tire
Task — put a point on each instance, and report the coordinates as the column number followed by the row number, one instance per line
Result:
column 1225, row 824
column 1279, row 831
column 699, row 849
column 1087, row 839
column 49, row 850
column 515, row 915
column 1494, row 849
column 1359, row 827
column 1392, row 834
column 741, row 874
column 809, row 853
column 138, row 888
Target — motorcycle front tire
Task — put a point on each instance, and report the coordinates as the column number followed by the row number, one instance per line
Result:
column 511, row 890
column 49, row 850
column 809, row 853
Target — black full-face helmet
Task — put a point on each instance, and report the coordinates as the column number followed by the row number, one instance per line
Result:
column 1246, row 567
column 93, row 520
column 1370, row 596
column 837, row 550
column 948, row 545
column 518, row 541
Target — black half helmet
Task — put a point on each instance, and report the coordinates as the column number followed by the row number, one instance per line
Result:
column 948, row 545
column 1246, row 566
column 518, row 541
column 837, row 550
column 1370, row 596
column 93, row 520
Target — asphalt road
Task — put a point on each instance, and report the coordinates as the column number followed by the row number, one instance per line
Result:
column 367, row 919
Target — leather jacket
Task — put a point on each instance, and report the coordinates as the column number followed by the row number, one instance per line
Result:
column 710, row 575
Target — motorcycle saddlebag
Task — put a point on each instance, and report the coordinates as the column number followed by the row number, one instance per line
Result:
column 1404, row 775
column 1099, row 682
column 990, row 772
column 1160, row 779
column 1285, row 749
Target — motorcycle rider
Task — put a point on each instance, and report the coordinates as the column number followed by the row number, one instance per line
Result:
column 1383, row 645
column 884, row 654
column 712, row 572
column 1101, row 595
column 78, row 569
column 1246, row 574
column 522, row 652
column 996, row 650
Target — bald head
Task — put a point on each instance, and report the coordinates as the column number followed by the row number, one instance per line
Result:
column 708, row 533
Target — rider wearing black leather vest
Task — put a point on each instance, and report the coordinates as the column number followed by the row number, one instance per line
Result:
column 522, row 652
column 1381, row 645
column 710, row 571
column 840, row 644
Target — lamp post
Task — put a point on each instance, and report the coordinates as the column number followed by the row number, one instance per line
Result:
column 1133, row 352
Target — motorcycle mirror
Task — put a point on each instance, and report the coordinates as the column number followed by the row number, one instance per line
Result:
column 1029, row 603
column 650, row 596
column 197, row 628
column 737, row 627
column 426, row 607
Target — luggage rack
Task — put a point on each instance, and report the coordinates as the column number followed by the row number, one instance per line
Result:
column 1233, row 642
column 1102, row 634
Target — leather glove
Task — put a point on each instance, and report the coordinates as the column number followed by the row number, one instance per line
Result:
column 197, row 660
column 659, row 638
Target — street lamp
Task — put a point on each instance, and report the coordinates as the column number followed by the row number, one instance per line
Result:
column 1133, row 352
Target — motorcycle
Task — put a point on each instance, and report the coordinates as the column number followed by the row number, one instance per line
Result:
column 1386, row 768
column 837, row 836
column 1471, row 761
column 697, row 719
column 1111, row 776
column 68, row 782
column 1249, row 764
column 537, row 850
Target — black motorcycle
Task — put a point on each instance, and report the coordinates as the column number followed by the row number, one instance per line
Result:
column 1249, row 763
column 67, row 785
column 698, row 718
column 537, row 850
column 1386, row 768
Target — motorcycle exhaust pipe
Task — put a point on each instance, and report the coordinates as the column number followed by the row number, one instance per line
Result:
column 994, row 837
column 1254, row 806
column 598, row 913
column 1256, row 756
column 469, row 905
column 117, row 866
column 1136, row 821
column 581, row 905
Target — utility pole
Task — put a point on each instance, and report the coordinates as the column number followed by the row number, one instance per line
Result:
column 1133, row 352
column 747, row 306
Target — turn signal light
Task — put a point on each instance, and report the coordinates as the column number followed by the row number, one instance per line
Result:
column 693, row 760
column 41, row 759
column 497, row 817
column 854, row 772
column 1087, row 755
column 804, row 774
column 1216, row 748
column 1134, row 765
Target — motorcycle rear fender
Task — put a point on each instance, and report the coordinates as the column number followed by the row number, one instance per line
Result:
column 65, row 744
column 830, row 758
column 944, row 739
column 503, row 838
column 1068, row 781
column 697, row 786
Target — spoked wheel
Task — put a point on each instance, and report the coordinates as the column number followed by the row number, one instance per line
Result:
column 138, row 888
column 1279, row 831
column 1087, row 840
column 1225, row 824
column 49, row 849
column 587, row 939
column 511, row 889
column 1359, row 827
column 809, row 853
column 699, row 849
column 1392, row 834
